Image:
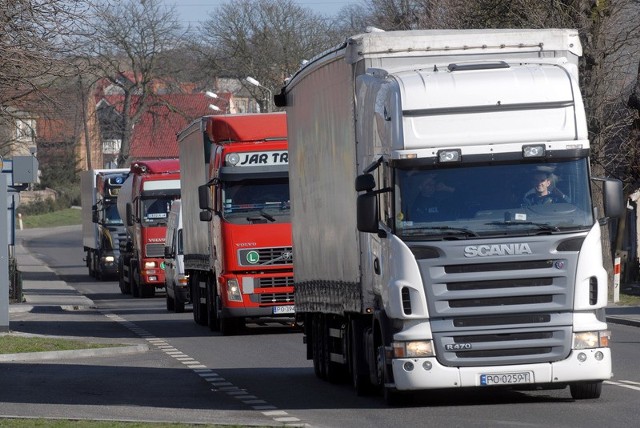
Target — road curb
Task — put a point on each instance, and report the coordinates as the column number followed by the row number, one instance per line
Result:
column 623, row 321
column 76, row 353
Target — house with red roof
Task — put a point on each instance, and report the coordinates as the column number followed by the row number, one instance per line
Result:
column 154, row 135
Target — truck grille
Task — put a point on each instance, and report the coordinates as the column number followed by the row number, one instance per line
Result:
column 154, row 250
column 264, row 296
column 277, row 256
column 504, row 310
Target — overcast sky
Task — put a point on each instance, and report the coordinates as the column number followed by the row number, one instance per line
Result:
column 193, row 11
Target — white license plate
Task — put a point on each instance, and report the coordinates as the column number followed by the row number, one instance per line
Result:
column 289, row 309
column 506, row 378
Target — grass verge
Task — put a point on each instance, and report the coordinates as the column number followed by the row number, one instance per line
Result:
column 68, row 423
column 15, row 344
column 629, row 300
column 66, row 217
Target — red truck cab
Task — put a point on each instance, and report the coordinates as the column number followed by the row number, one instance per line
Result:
column 154, row 186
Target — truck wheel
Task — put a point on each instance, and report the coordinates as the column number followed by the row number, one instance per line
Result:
column 199, row 310
column 335, row 372
column 213, row 306
column 147, row 290
column 90, row 264
column 133, row 281
column 317, row 342
column 586, row 390
column 124, row 289
column 171, row 303
column 230, row 326
column 178, row 306
column 359, row 374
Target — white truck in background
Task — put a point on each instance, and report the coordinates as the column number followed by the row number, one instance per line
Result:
column 482, row 289
column 176, row 281
column 102, row 227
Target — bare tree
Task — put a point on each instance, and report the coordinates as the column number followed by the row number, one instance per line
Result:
column 35, row 43
column 124, row 45
column 264, row 39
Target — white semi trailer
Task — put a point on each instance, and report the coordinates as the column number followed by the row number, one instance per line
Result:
column 446, row 265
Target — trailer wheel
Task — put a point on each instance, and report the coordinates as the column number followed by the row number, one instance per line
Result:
column 316, row 339
column 586, row 390
column 199, row 309
column 335, row 372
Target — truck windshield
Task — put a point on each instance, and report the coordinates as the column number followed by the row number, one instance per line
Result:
column 249, row 199
column 155, row 211
column 111, row 215
column 484, row 200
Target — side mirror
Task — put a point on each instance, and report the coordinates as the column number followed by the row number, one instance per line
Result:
column 206, row 216
column 367, row 213
column 168, row 253
column 129, row 214
column 613, row 198
column 94, row 216
column 365, row 183
column 204, row 200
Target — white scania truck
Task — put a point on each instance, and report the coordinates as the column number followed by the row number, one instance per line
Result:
column 442, row 213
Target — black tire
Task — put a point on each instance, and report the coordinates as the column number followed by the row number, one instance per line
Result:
column 199, row 309
column 359, row 372
column 336, row 372
column 171, row 303
column 230, row 326
column 124, row 287
column 586, row 390
column 133, row 281
column 147, row 291
column 178, row 306
column 212, row 307
column 316, row 345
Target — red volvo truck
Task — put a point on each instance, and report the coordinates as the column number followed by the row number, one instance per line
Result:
column 144, row 203
column 236, row 219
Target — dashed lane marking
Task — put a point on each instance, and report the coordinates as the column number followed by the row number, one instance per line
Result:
column 625, row 384
column 217, row 382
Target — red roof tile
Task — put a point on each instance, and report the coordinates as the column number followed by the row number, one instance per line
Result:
column 154, row 136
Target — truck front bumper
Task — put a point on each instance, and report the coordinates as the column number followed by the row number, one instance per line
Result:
column 426, row 373
column 262, row 312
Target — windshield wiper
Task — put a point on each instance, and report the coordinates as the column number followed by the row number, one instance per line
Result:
column 541, row 226
column 447, row 229
column 263, row 214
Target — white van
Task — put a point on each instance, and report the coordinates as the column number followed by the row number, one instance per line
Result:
column 176, row 282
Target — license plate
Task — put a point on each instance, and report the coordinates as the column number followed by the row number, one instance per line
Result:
column 506, row 378
column 289, row 309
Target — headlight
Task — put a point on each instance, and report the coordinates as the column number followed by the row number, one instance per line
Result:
column 149, row 265
column 413, row 349
column 109, row 259
column 233, row 290
column 591, row 339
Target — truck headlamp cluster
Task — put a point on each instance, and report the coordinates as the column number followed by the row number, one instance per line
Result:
column 536, row 151
column 233, row 291
column 446, row 156
column 591, row 339
column 150, row 265
column 413, row 349
column 232, row 159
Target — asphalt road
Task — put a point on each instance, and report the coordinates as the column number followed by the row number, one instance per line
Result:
column 260, row 377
